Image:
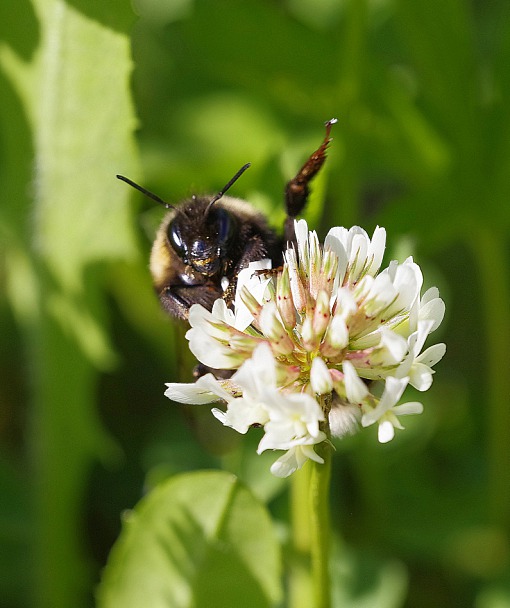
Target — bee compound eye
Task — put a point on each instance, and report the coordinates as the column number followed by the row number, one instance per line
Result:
column 225, row 224
column 175, row 238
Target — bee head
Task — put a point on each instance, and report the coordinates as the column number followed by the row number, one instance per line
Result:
column 200, row 231
column 201, row 235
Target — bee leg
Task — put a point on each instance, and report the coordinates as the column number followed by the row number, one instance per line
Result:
column 177, row 300
column 257, row 248
column 220, row 374
column 297, row 189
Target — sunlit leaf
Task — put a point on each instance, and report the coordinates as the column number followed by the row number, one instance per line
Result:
column 68, row 73
column 198, row 540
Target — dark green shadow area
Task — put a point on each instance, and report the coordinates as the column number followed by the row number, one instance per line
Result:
column 19, row 27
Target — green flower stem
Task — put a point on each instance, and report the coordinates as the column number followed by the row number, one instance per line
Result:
column 300, row 583
column 309, row 581
column 320, row 527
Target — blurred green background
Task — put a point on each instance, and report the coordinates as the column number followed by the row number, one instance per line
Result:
column 178, row 95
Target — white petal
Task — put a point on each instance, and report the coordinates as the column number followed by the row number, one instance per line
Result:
column 270, row 320
column 335, row 244
column 309, row 452
column 320, row 378
column 367, row 419
column 407, row 282
column 241, row 414
column 424, row 329
column 420, row 376
column 430, row 294
column 210, row 383
column 414, row 312
column 273, row 328
column 199, row 318
column 296, row 286
column 432, row 355
column 394, row 345
column 358, row 252
column 220, row 415
column 412, row 407
column 221, row 313
column 272, row 441
column 190, row 393
column 338, row 235
column 256, row 285
column 355, row 235
column 392, row 269
column 286, row 464
column 309, row 411
column 345, row 303
column 380, row 296
column 293, row 460
column 215, row 324
column 337, row 334
column 433, row 310
column 362, row 289
column 257, row 373
column 392, row 392
column 355, row 389
column 210, row 351
column 386, row 432
column 415, row 341
column 293, row 420
column 376, row 250
column 301, row 230
column 197, row 315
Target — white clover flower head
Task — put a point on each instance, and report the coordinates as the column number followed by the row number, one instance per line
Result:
column 311, row 343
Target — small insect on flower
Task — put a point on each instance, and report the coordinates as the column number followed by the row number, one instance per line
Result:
column 204, row 242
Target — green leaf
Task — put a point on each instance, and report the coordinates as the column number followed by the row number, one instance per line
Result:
column 74, row 92
column 67, row 74
column 200, row 540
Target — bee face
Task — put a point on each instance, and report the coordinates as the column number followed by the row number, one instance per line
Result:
column 197, row 255
column 203, row 243
column 202, row 238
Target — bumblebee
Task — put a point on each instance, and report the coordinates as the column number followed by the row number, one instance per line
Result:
column 204, row 242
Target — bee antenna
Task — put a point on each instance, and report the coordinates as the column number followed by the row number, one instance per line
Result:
column 227, row 186
column 147, row 193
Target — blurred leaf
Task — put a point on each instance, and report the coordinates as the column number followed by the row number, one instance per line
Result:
column 447, row 71
column 83, row 129
column 16, row 155
column 361, row 581
column 460, row 107
column 198, row 540
column 253, row 468
column 75, row 93
column 19, row 28
column 482, row 551
column 493, row 597
column 161, row 12
column 421, row 90
column 15, row 531
column 317, row 13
